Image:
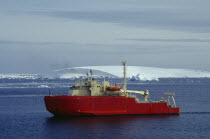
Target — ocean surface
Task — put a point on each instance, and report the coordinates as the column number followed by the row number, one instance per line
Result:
column 23, row 113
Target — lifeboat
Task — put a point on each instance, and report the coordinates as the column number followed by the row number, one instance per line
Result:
column 113, row 88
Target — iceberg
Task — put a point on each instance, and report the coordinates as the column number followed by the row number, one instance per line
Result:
column 17, row 76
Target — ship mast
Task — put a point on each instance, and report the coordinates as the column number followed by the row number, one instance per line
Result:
column 90, row 75
column 124, row 63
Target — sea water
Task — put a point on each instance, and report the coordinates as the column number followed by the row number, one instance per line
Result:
column 23, row 113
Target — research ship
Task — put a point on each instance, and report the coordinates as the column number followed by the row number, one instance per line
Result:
column 90, row 98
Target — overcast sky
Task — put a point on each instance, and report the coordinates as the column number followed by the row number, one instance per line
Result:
column 43, row 35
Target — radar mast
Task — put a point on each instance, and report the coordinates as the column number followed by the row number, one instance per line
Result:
column 124, row 63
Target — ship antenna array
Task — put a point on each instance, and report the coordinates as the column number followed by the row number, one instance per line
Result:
column 124, row 63
column 91, row 74
column 87, row 76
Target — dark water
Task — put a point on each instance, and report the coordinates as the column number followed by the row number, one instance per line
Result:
column 23, row 114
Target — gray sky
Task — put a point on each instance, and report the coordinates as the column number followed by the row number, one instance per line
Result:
column 42, row 35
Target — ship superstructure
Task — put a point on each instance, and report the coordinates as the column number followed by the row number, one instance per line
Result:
column 92, row 98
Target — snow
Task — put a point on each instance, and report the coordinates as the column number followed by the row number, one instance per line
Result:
column 149, row 72
column 77, row 72
column 71, row 75
column 145, row 73
column 18, row 76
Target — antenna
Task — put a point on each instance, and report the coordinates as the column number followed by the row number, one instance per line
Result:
column 124, row 63
column 91, row 74
column 87, row 76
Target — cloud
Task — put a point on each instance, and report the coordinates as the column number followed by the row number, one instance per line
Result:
column 5, row 42
column 168, row 40
column 154, row 18
column 153, row 33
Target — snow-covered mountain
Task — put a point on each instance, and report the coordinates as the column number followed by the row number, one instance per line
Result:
column 145, row 73
column 76, row 72
column 148, row 73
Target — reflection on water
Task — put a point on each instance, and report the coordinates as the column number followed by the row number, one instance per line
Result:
column 123, row 119
column 107, row 126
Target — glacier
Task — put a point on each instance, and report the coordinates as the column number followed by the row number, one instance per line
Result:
column 146, row 73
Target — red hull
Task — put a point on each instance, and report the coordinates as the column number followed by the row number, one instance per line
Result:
column 103, row 105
